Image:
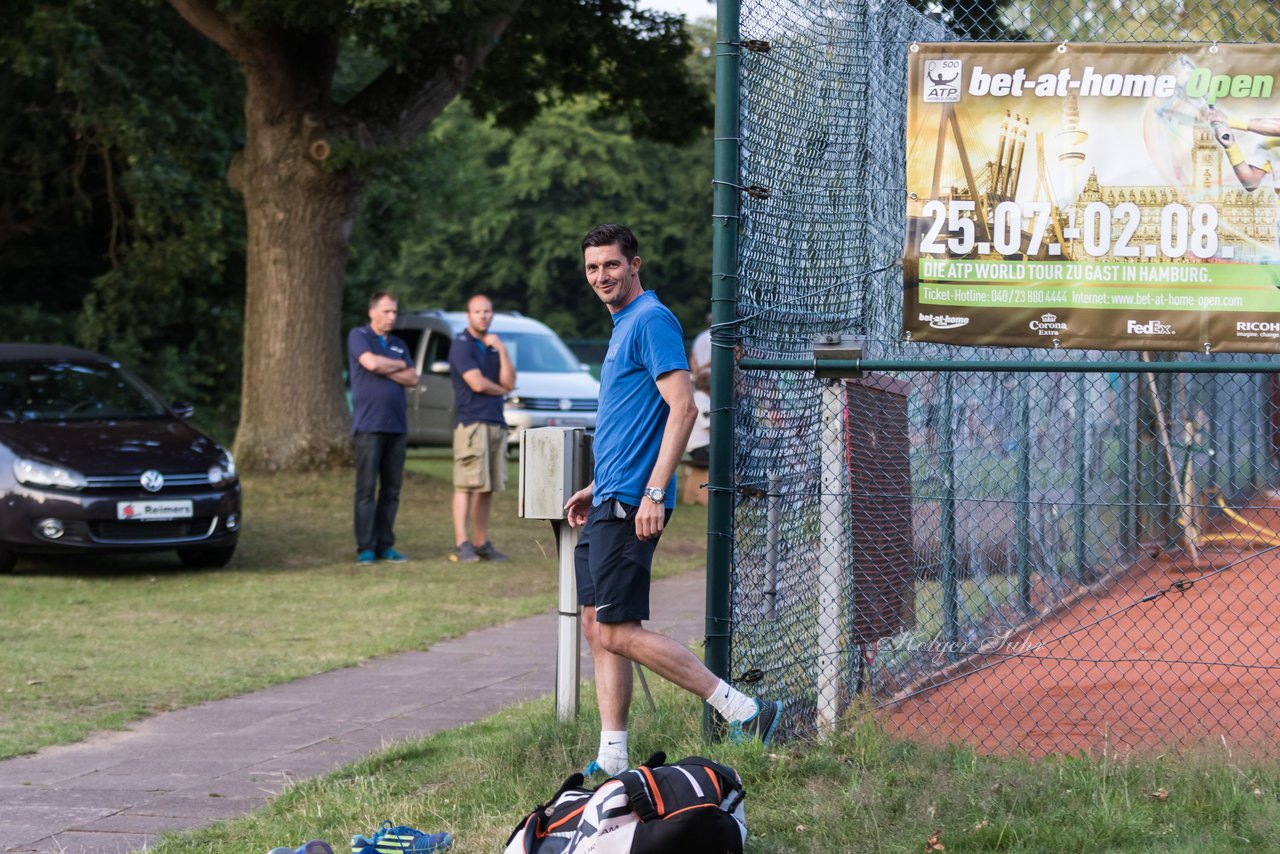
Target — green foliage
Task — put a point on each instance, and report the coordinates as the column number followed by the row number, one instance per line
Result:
column 482, row 210
column 121, row 233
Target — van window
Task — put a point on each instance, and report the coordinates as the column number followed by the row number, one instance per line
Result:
column 437, row 349
column 538, row 352
column 412, row 339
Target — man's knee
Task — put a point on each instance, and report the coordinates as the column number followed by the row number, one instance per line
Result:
column 617, row 637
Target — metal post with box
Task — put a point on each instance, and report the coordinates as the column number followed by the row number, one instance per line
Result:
column 556, row 462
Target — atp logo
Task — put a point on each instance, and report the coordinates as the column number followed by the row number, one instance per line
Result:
column 942, row 81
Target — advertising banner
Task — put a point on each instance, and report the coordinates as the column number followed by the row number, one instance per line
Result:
column 1093, row 196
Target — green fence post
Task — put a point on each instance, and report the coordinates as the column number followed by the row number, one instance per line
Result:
column 724, row 297
column 1022, row 500
column 1082, row 429
column 947, row 523
column 1127, row 462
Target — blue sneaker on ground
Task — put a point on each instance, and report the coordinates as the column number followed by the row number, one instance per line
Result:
column 315, row 846
column 393, row 840
column 392, row 556
column 364, row 558
column 762, row 725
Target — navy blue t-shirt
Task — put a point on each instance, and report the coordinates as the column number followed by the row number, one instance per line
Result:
column 378, row 403
column 465, row 354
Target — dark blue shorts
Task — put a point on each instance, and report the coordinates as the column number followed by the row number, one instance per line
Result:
column 612, row 564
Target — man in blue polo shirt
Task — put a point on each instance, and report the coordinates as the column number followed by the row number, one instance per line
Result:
column 381, row 368
column 482, row 375
column 645, row 415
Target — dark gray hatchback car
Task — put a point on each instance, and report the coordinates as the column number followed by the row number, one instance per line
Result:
column 93, row 460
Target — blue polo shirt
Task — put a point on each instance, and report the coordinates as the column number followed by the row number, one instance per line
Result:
column 465, row 354
column 377, row 403
column 647, row 342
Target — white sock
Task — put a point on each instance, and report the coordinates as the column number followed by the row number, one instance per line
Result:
column 612, row 756
column 732, row 704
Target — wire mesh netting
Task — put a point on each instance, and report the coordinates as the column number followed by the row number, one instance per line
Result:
column 1041, row 561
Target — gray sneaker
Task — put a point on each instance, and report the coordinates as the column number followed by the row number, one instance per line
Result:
column 760, row 726
column 465, row 553
column 488, row 552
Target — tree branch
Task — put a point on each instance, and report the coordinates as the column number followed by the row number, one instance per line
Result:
column 401, row 102
column 203, row 15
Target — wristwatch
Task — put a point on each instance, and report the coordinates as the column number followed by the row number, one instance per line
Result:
column 656, row 494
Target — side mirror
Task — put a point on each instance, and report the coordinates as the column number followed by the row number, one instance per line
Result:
column 182, row 409
column 440, row 367
column 584, row 367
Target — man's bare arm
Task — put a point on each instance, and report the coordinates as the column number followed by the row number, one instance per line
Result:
column 676, row 388
column 383, row 366
column 481, row 384
column 406, row 377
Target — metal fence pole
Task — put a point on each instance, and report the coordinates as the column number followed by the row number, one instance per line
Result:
column 724, row 295
column 947, row 518
column 1022, row 499
column 1081, row 462
column 833, row 555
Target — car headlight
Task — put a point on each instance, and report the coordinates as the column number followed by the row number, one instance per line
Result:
column 514, row 402
column 225, row 471
column 34, row 473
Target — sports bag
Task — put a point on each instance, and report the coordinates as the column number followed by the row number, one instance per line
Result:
column 692, row 805
column 549, row 827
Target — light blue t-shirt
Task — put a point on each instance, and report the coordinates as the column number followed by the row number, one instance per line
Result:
column 647, row 342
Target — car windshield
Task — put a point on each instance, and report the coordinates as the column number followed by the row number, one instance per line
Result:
column 538, row 352
column 72, row 391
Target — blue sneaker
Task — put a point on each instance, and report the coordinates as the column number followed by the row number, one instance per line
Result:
column 762, row 725
column 364, row 558
column 315, row 846
column 392, row 556
column 393, row 840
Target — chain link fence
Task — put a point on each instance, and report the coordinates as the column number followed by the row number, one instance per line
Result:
column 1073, row 553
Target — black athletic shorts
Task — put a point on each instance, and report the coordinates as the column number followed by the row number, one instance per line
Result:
column 612, row 564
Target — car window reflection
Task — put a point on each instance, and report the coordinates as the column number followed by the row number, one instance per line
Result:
column 69, row 391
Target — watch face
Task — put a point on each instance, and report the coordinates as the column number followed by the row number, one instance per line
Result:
column 655, row 493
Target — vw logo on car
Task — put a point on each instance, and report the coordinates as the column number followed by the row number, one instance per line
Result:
column 152, row 480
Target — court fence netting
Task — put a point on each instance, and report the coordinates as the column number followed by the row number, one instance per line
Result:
column 1026, row 550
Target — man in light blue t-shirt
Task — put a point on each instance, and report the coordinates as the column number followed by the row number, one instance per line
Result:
column 645, row 416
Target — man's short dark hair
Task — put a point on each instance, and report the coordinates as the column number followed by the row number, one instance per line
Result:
column 379, row 296
column 609, row 234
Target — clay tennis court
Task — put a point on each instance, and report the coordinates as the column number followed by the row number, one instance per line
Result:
column 1189, row 667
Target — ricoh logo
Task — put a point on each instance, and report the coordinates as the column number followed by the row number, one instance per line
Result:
column 944, row 321
column 1257, row 329
column 1048, row 324
column 942, row 81
column 1152, row 327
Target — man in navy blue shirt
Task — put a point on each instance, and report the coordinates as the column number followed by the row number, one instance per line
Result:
column 381, row 368
column 645, row 416
column 482, row 374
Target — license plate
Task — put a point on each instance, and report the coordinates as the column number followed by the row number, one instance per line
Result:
column 154, row 511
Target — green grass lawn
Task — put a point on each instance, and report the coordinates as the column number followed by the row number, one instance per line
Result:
column 861, row 791
column 92, row 644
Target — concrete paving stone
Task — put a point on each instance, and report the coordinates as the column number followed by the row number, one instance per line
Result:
column 131, row 822
column 240, row 788
column 47, row 816
column 94, row 843
column 57, row 796
column 207, row 808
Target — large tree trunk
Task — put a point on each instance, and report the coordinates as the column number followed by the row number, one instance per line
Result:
column 293, row 412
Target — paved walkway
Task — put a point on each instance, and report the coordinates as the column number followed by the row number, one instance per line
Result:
column 117, row 791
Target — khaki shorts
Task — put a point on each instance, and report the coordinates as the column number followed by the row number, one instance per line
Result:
column 480, row 457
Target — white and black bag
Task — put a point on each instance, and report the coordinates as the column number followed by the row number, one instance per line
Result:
column 693, row 805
